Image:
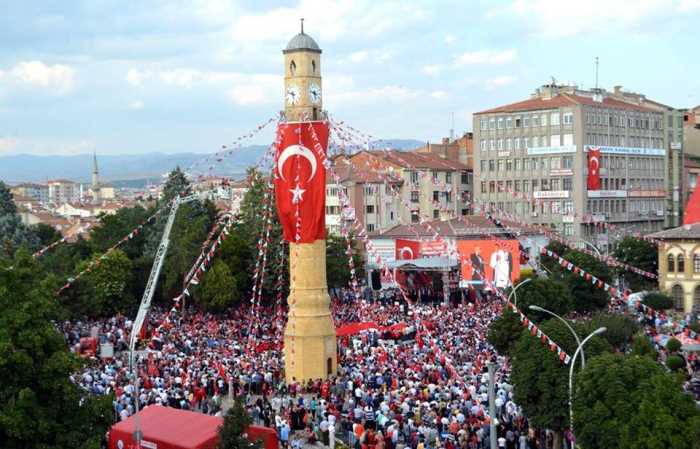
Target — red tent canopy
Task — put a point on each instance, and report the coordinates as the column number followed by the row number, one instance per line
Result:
column 170, row 428
column 692, row 209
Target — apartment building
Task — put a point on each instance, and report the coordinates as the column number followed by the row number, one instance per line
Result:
column 38, row 192
column 537, row 148
column 63, row 191
column 460, row 150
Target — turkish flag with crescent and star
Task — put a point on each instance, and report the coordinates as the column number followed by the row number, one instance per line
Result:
column 594, row 168
column 407, row 249
column 300, row 180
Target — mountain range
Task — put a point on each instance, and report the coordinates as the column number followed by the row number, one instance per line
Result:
column 117, row 168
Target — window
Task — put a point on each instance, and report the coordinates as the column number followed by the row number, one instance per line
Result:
column 500, row 165
column 484, row 123
column 370, row 227
column 509, row 144
column 555, row 140
column 555, row 163
column 465, row 212
column 492, row 186
column 448, row 177
column 516, row 143
column 566, row 184
column 483, row 144
column 518, row 164
column 465, row 176
column 554, row 118
column 500, row 123
column 492, row 165
column 509, row 122
column 509, row 164
column 492, row 144
column 568, row 118
column 526, row 142
column 567, row 162
column 414, row 216
column 414, row 196
column 483, row 186
column 681, row 263
column 518, row 122
column 535, row 120
column 292, row 68
column 313, row 66
column 526, row 164
column 526, row 121
column 436, row 213
column 516, row 186
column 568, row 229
column 499, row 144
column 492, row 123
column 414, row 177
column 436, row 195
column 677, row 295
column 370, row 208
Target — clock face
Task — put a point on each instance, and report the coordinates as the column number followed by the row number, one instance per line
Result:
column 315, row 93
column 293, row 95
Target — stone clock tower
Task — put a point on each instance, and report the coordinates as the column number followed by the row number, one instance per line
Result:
column 302, row 78
column 309, row 338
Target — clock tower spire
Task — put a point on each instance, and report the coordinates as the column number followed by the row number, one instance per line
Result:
column 302, row 78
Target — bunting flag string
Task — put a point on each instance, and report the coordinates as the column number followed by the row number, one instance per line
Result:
column 97, row 261
column 49, row 247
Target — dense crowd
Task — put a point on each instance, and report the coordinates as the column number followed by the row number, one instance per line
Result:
column 424, row 387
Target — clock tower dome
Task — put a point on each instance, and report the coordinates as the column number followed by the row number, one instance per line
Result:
column 302, row 78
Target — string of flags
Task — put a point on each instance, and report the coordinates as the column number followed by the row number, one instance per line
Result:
column 49, row 247
column 98, row 261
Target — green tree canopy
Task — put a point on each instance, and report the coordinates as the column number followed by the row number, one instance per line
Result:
column 46, row 234
column 216, row 293
column 39, row 405
column 620, row 328
column 177, row 184
column 114, row 227
column 337, row 261
column 587, row 297
column 7, row 204
column 505, row 331
column 232, row 434
column 657, row 301
column 641, row 346
column 545, row 293
column 640, row 254
column 550, row 263
column 15, row 235
column 541, row 380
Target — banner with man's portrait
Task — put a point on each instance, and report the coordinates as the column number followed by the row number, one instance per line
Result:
column 496, row 261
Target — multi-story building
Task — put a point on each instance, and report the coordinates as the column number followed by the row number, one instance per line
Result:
column 63, row 191
column 537, row 149
column 679, row 266
column 38, row 192
column 691, row 172
column 460, row 150
column 691, row 131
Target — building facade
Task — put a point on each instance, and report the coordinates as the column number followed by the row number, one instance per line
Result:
column 63, row 191
column 679, row 266
column 537, row 149
column 38, row 192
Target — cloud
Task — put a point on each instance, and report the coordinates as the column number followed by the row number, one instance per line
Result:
column 9, row 144
column 565, row 18
column 136, row 105
column 60, row 78
column 486, row 57
column 431, row 69
column 499, row 81
column 136, row 77
column 45, row 145
column 450, row 39
column 181, row 77
column 438, row 94
column 358, row 56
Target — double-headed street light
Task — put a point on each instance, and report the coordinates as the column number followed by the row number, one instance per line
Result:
column 566, row 323
column 512, row 292
column 598, row 331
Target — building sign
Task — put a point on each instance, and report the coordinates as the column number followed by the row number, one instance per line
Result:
column 551, row 150
column 607, row 194
column 567, row 219
column 548, row 194
column 676, row 146
column 503, row 153
column 646, row 193
column 489, row 263
column 628, row 150
column 561, row 172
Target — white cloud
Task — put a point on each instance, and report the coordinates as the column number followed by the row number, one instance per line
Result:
column 562, row 18
column 358, row 56
column 438, row 94
column 450, row 39
column 136, row 77
column 431, row 69
column 499, row 81
column 486, row 57
column 60, row 78
column 136, row 105
column 45, row 145
column 181, row 77
column 8, row 144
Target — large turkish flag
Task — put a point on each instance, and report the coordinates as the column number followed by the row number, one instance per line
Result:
column 407, row 249
column 594, row 168
column 300, row 180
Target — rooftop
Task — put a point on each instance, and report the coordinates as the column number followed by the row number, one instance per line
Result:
column 412, row 159
column 469, row 226
column 563, row 100
column 691, row 231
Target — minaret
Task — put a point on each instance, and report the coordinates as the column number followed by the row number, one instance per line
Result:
column 95, row 187
column 309, row 338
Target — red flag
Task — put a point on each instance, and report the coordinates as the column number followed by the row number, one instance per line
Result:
column 407, row 249
column 594, row 168
column 300, row 180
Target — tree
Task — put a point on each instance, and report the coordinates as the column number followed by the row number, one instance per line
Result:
column 657, row 301
column 611, row 402
column 545, row 293
column 237, row 255
column 177, row 184
column 640, row 254
column 7, row 204
column 104, row 290
column 505, row 331
column 114, row 227
column 232, row 434
column 337, row 261
column 46, row 234
column 541, row 380
column 14, row 235
column 550, row 263
column 587, row 297
column 620, row 328
column 641, row 346
column 216, row 292
column 664, row 418
column 675, row 362
column 673, row 345
column 39, row 405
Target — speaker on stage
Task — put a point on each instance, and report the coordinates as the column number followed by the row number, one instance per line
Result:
column 376, row 280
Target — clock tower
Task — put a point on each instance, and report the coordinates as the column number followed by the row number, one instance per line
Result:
column 302, row 78
column 309, row 337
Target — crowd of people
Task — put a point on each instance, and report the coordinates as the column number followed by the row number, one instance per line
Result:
column 422, row 388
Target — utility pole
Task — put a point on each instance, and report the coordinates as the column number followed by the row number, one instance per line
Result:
column 596, row 72
column 492, row 404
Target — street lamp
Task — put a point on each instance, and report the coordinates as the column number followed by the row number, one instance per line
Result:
column 512, row 292
column 566, row 323
column 595, row 248
column 598, row 331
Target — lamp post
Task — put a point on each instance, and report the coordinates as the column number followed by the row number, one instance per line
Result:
column 598, row 331
column 595, row 248
column 566, row 323
column 512, row 293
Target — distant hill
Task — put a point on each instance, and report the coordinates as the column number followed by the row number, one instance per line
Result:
column 139, row 167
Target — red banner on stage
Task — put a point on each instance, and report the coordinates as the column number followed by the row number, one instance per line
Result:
column 300, row 180
column 594, row 169
column 407, row 249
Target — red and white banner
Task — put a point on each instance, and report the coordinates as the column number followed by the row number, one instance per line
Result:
column 300, row 181
column 594, row 168
column 431, row 248
column 407, row 249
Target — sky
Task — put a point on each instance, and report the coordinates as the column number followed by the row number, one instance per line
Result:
column 175, row 76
